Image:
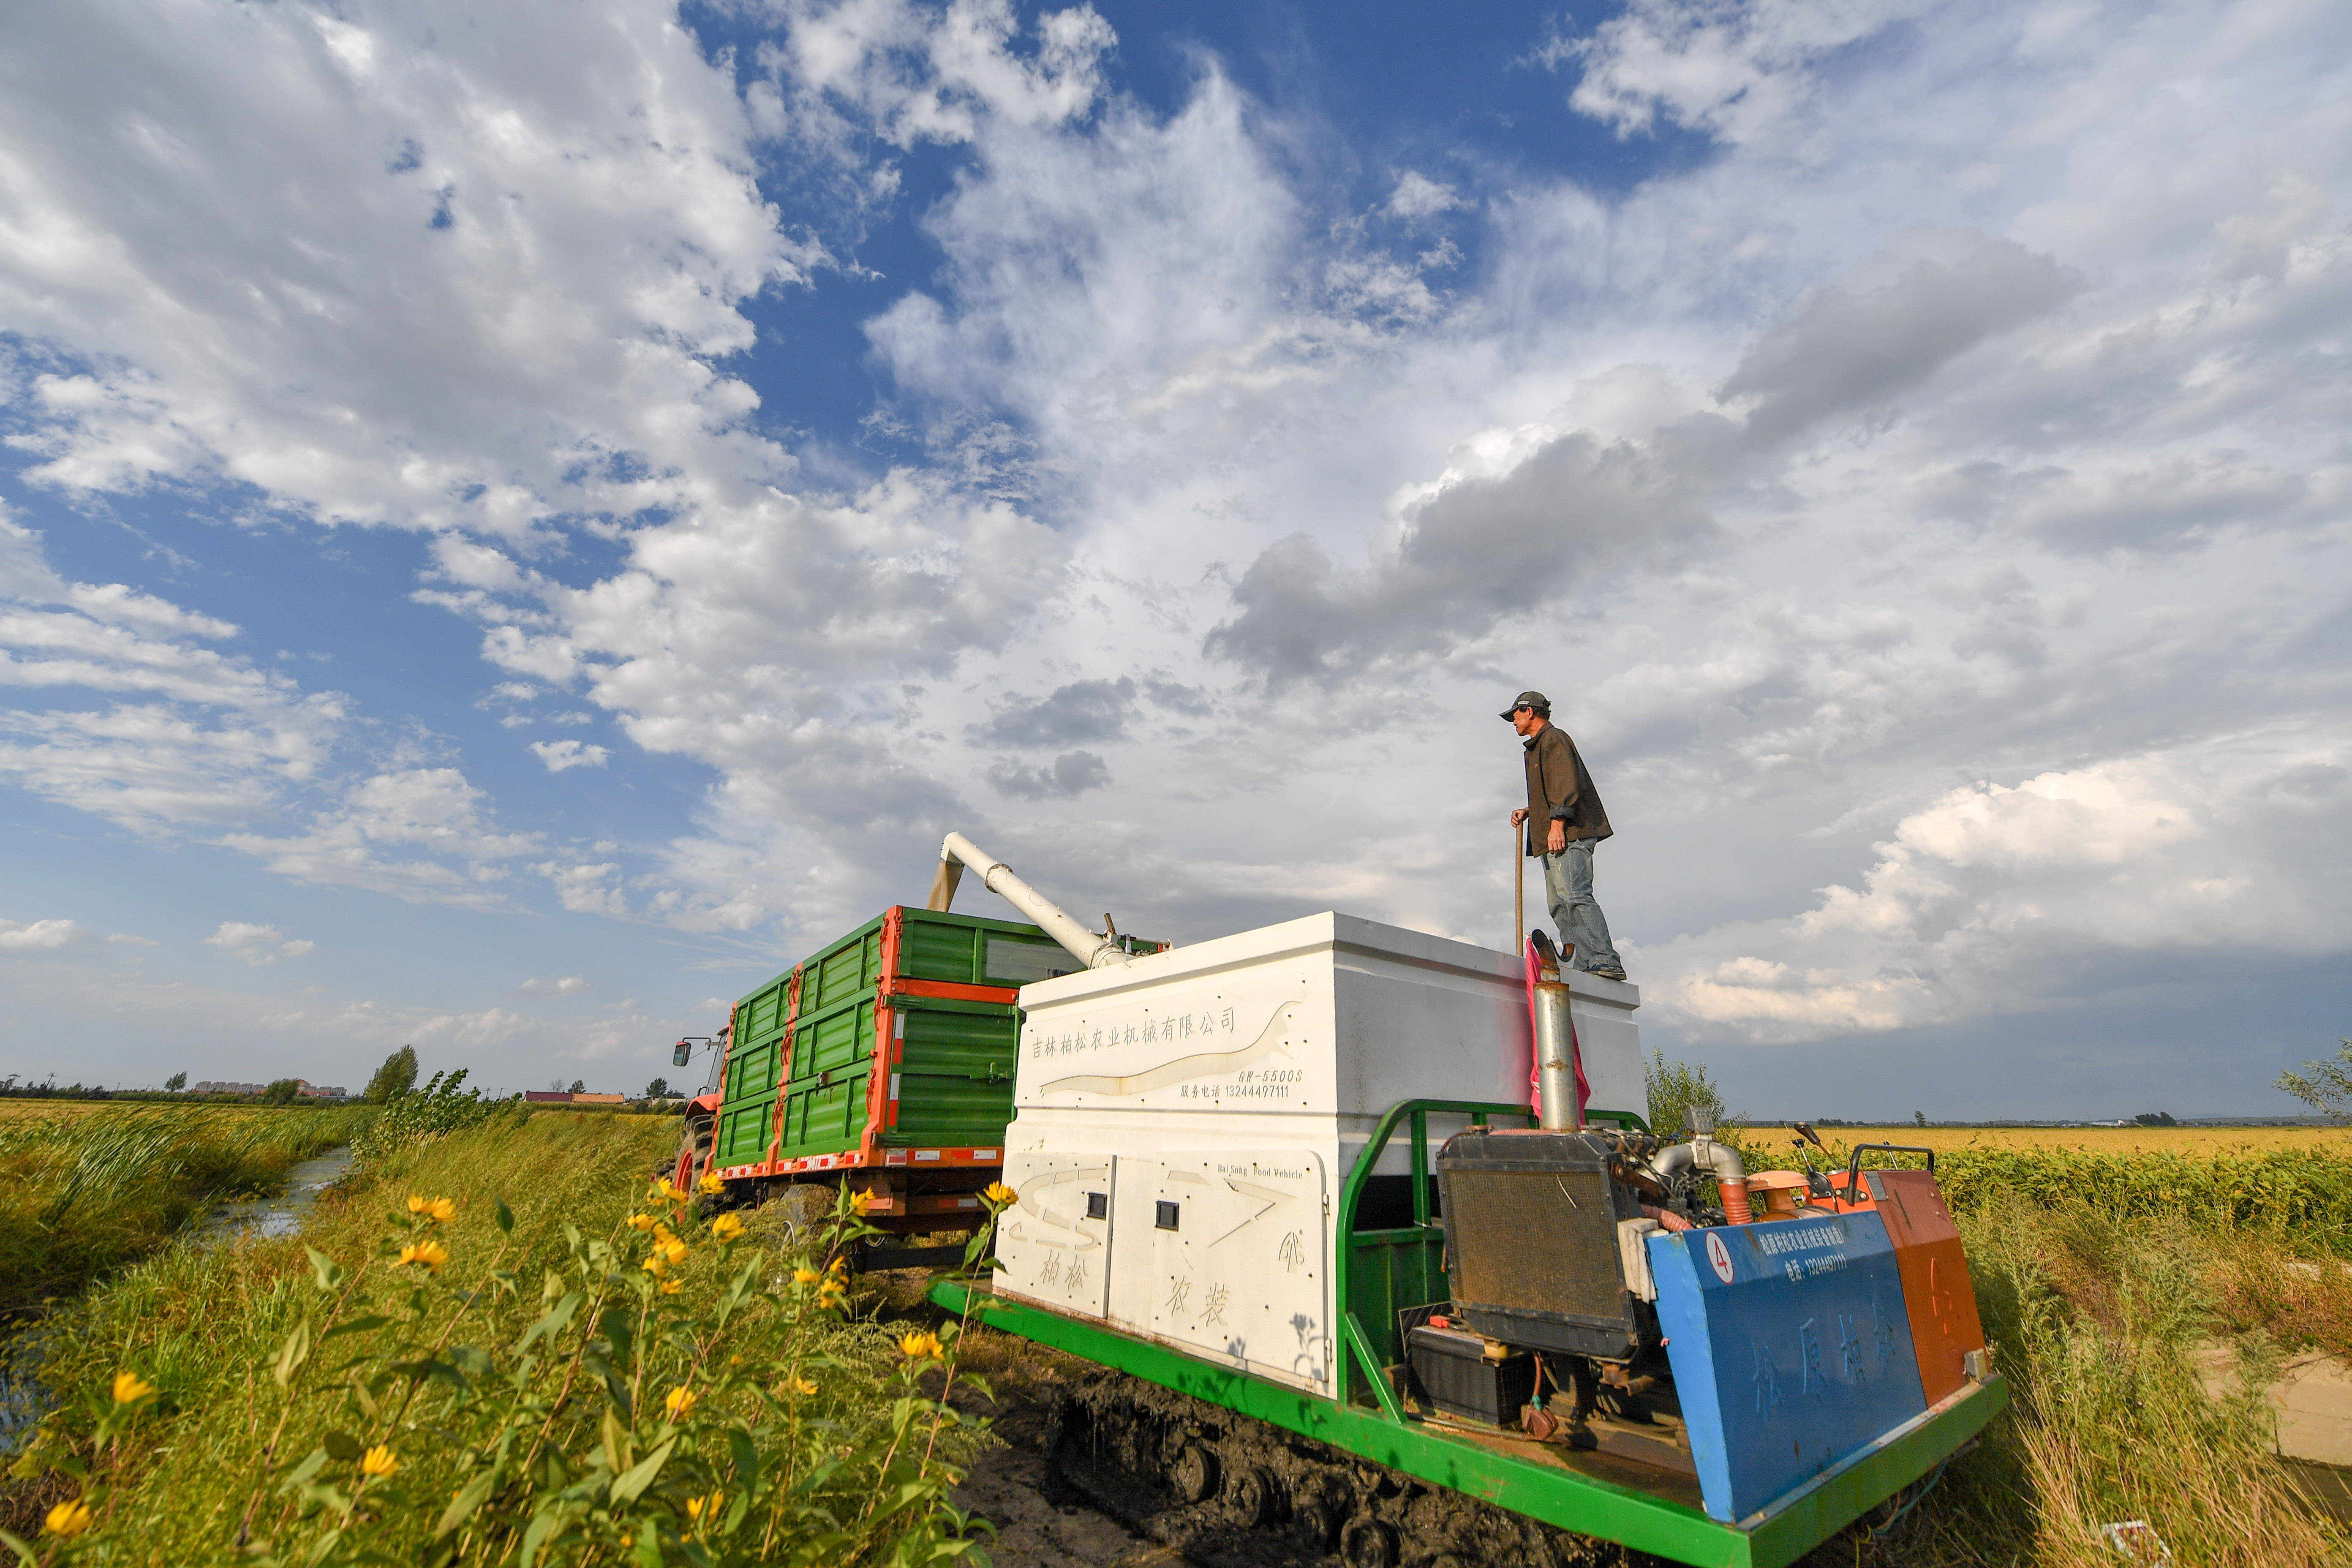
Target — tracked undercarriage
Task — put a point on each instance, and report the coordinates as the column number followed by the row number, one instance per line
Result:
column 1232, row 1492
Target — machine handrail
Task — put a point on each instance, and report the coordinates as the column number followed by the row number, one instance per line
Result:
column 1854, row 1167
column 1350, row 1336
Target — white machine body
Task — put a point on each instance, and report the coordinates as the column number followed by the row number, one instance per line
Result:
column 1185, row 1122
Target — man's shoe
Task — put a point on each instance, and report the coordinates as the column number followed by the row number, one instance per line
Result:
column 1617, row 974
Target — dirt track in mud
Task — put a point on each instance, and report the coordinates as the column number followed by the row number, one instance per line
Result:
column 1042, row 1519
column 1041, row 1522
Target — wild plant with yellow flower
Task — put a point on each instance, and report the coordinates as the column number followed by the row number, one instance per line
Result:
column 428, row 1252
column 478, row 1392
column 69, row 1520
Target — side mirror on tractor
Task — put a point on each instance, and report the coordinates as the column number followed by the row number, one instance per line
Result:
column 679, row 1054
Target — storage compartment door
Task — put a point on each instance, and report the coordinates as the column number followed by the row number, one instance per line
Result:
column 747, row 1108
column 952, row 1085
column 824, row 1099
column 1239, row 1261
column 1053, row 1244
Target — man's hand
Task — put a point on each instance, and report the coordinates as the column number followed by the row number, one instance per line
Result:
column 1518, row 816
column 1556, row 839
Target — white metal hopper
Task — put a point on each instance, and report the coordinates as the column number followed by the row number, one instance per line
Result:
column 1184, row 1120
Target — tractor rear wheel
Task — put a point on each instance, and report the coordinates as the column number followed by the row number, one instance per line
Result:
column 694, row 1146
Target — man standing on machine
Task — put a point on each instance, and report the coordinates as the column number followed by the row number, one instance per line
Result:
column 1562, row 821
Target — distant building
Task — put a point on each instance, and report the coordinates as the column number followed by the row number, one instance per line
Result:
column 561, row 1096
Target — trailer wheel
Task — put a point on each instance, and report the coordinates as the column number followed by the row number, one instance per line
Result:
column 1369, row 1543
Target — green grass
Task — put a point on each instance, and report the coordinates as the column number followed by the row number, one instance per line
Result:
column 529, row 1377
column 83, row 1195
column 2094, row 1314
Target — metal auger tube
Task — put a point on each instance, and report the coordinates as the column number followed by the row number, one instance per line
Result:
column 1093, row 949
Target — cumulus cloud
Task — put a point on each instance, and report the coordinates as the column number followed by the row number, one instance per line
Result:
column 399, row 833
column 38, row 936
column 436, row 215
column 1417, row 195
column 561, row 985
column 1068, row 776
column 561, row 754
column 256, row 944
column 1993, row 899
column 1853, row 345
column 1082, row 710
column 1735, row 69
column 1970, row 410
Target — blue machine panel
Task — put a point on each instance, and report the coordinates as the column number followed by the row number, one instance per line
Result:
column 1789, row 1347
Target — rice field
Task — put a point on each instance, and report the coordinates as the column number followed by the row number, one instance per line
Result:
column 2191, row 1141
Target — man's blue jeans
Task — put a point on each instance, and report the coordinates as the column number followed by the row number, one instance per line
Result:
column 1567, row 887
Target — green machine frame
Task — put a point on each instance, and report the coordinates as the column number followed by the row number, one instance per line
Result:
column 1377, row 1272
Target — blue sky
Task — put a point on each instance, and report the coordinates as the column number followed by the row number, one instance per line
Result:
column 519, row 524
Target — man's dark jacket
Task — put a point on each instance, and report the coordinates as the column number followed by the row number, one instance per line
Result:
column 1558, row 786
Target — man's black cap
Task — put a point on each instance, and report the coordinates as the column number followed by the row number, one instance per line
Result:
column 1535, row 699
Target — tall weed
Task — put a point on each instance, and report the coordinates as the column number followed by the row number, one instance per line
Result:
column 415, row 1116
column 2095, row 1323
column 483, row 1355
column 83, row 1195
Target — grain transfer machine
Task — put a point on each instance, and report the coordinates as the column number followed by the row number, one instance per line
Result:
column 1291, row 1189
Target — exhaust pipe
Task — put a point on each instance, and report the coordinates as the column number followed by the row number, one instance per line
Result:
column 1559, row 1110
column 1093, row 949
column 1556, row 1055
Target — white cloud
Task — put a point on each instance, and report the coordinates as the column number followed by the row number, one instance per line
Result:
column 37, row 936
column 1995, row 900
column 497, row 272
column 561, row 985
column 1969, row 408
column 1735, row 68
column 1417, row 195
column 399, row 833
column 561, row 754
column 257, row 944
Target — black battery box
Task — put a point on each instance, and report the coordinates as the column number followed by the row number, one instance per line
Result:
column 1451, row 1372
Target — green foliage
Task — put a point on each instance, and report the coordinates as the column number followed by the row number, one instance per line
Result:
column 657, row 1089
column 460, row 1382
column 175, row 1083
column 1676, row 1087
column 83, row 1193
column 2324, row 1084
column 282, row 1091
column 2155, row 1118
column 396, row 1077
column 2099, row 1328
column 442, row 1106
column 579, row 1086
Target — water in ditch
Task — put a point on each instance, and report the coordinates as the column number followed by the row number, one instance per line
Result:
column 280, row 1213
column 24, row 1399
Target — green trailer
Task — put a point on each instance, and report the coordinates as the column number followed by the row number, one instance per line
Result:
column 885, row 1059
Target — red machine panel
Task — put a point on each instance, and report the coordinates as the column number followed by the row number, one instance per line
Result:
column 1938, row 1294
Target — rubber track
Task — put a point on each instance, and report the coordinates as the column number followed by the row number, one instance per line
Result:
column 1120, row 1440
